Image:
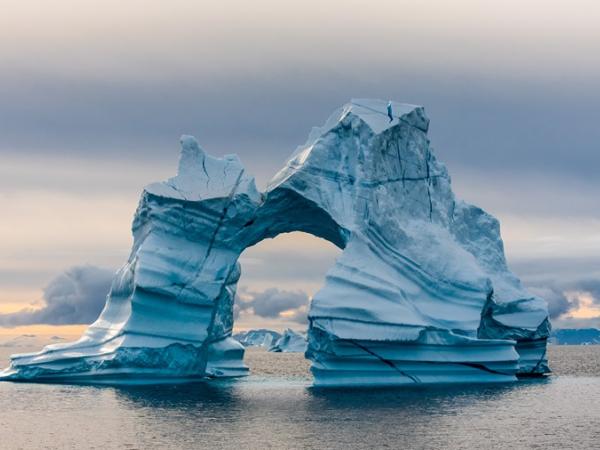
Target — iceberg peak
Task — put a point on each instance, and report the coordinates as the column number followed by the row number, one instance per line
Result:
column 375, row 114
column 201, row 176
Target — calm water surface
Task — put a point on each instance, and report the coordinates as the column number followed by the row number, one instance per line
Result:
column 276, row 408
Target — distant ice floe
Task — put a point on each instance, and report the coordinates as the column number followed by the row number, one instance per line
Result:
column 257, row 338
column 290, row 342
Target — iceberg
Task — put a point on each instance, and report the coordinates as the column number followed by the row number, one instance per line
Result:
column 290, row 342
column 257, row 338
column 421, row 293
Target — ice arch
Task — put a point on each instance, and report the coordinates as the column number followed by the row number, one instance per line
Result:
column 420, row 294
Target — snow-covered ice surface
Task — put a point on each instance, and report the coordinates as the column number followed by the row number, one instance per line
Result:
column 421, row 293
column 290, row 342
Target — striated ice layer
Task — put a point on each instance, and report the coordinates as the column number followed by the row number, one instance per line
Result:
column 432, row 357
column 421, row 293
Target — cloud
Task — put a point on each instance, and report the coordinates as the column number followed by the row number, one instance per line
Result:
column 274, row 303
column 299, row 315
column 566, row 298
column 592, row 287
column 558, row 303
column 74, row 297
column 571, row 322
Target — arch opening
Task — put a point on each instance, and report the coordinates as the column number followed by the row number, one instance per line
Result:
column 279, row 277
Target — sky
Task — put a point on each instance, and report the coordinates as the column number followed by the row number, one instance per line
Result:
column 96, row 94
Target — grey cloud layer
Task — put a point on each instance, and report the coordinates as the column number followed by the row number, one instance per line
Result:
column 271, row 302
column 488, row 125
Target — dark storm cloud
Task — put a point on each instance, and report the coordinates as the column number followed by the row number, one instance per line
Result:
column 75, row 297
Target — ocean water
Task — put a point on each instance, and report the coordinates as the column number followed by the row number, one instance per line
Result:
column 276, row 408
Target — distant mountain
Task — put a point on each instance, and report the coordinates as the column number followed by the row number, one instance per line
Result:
column 575, row 336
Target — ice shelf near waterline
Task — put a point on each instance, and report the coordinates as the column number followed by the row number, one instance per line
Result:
column 290, row 342
column 421, row 293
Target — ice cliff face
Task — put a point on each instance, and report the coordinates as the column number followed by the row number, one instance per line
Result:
column 420, row 294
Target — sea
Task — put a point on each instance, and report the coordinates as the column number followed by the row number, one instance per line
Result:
column 276, row 408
